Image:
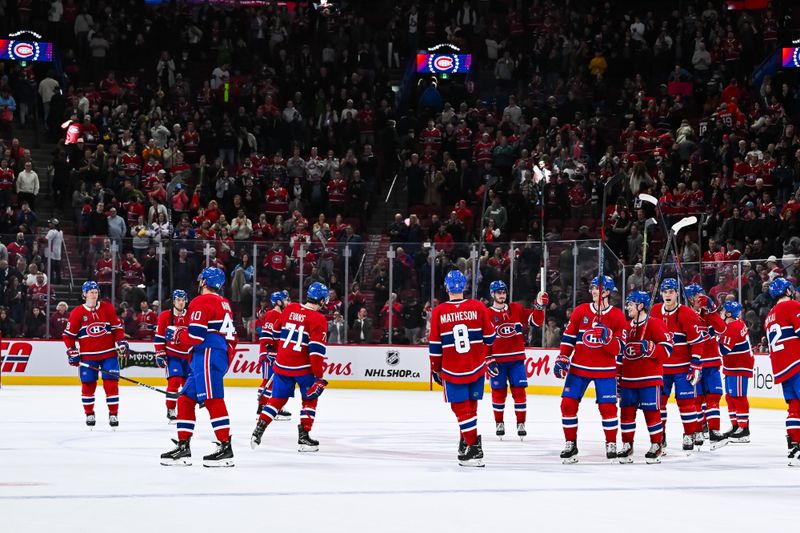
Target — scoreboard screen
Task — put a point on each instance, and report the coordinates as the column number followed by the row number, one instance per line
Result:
column 791, row 57
column 444, row 63
column 24, row 50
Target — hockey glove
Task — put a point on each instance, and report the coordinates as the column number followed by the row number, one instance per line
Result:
column 492, row 368
column 316, row 389
column 705, row 303
column 561, row 367
column 639, row 349
column 122, row 348
column 695, row 372
column 74, row 357
column 542, row 299
column 437, row 378
column 600, row 333
column 176, row 335
column 161, row 359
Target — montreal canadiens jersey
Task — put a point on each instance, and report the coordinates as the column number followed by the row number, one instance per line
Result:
column 266, row 340
column 211, row 323
column 713, row 323
column 646, row 371
column 170, row 319
column 591, row 359
column 300, row 337
column 95, row 330
column 783, row 334
column 509, row 324
column 461, row 333
column 688, row 336
column 737, row 353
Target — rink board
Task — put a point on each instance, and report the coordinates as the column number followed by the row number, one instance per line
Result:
column 31, row 362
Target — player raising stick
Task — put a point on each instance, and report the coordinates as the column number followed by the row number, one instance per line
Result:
column 783, row 333
column 647, row 346
column 300, row 360
column 212, row 335
column 268, row 340
column 708, row 390
column 173, row 357
column 509, row 320
column 98, row 332
column 460, row 334
column 594, row 346
column 737, row 365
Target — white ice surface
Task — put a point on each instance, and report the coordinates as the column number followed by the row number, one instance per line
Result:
column 386, row 463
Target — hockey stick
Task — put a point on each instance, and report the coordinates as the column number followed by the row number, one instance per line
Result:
column 647, row 223
column 652, row 200
column 106, row 372
column 601, row 253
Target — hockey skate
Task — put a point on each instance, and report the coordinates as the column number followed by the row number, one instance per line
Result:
column 91, row 420
column 625, row 455
column 698, row 438
column 304, row 441
column 283, row 415
column 569, row 455
column 731, row 431
column 462, row 446
column 521, row 431
column 740, row 436
column 706, row 432
column 688, row 443
column 653, row 455
column 181, row 455
column 717, row 439
column 255, row 440
column 794, row 454
column 664, row 442
column 221, row 458
column 172, row 415
column 113, row 421
column 473, row 455
column 500, row 429
column 611, row 450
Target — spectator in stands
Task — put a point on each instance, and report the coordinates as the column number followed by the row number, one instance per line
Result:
column 55, row 242
column 59, row 320
column 8, row 327
column 145, row 321
column 35, row 324
column 28, row 185
column 117, row 229
column 362, row 327
column 336, row 328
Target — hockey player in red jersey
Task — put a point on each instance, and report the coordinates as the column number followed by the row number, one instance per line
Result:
column 708, row 390
column 97, row 330
column 509, row 320
column 300, row 342
column 589, row 350
column 212, row 335
column 268, row 343
column 783, row 334
column 173, row 357
column 737, row 365
column 460, row 334
column 683, row 368
column 647, row 345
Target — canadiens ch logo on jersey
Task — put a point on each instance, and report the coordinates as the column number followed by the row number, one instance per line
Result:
column 506, row 330
column 591, row 340
column 96, row 330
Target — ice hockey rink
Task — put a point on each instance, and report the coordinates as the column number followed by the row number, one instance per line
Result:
column 386, row 463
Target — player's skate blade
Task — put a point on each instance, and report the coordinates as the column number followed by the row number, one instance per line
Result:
column 181, row 455
column 625, row 455
column 221, row 458
column 283, row 415
column 794, row 454
column 740, row 436
column 91, row 420
column 304, row 441
column 521, row 431
column 113, row 421
column 472, row 456
column 500, row 430
column 654, row 454
column 569, row 455
column 717, row 440
column 255, row 439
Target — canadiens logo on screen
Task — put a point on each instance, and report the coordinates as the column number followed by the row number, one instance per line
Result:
column 506, row 330
column 96, row 330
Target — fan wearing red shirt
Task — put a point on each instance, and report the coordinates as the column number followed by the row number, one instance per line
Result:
column 277, row 199
column 431, row 137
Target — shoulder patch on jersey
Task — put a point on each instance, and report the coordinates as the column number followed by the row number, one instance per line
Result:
column 585, row 320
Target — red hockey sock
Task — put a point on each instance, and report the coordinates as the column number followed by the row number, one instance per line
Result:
column 307, row 413
column 793, row 421
column 654, row 426
column 111, row 387
column 174, row 384
column 627, row 417
column 499, row 403
column 186, row 417
column 688, row 409
column 608, row 412
column 520, row 403
column 712, row 411
column 467, row 421
column 569, row 418
column 271, row 409
column 700, row 407
column 742, row 411
column 220, row 422
column 731, row 401
column 87, row 396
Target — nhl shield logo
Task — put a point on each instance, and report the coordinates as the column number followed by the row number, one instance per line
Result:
column 392, row 358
